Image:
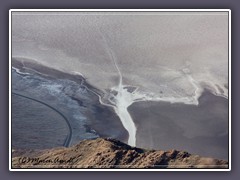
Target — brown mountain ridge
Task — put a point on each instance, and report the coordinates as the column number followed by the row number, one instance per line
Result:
column 110, row 153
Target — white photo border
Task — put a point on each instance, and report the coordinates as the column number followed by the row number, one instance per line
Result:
column 120, row 10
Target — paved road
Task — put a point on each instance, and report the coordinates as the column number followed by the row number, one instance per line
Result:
column 69, row 136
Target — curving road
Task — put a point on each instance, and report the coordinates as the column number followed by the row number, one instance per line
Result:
column 69, row 136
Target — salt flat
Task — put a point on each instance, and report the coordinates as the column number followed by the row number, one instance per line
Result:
column 164, row 57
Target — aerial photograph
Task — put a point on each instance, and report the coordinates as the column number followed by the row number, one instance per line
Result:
column 119, row 89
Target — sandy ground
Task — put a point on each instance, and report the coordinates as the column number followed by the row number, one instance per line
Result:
column 199, row 129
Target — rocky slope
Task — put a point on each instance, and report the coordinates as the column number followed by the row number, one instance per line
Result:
column 109, row 153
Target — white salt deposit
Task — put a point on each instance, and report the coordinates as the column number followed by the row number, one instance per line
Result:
column 168, row 56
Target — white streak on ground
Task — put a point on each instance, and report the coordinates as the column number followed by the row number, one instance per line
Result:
column 122, row 100
column 19, row 72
